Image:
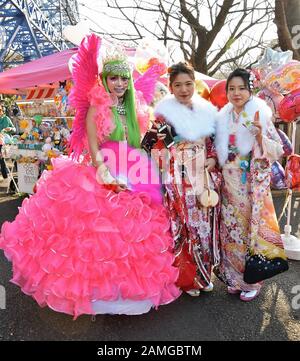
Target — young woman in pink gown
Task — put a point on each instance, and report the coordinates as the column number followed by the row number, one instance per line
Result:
column 95, row 237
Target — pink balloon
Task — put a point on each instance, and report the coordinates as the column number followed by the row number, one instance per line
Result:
column 278, row 176
column 287, row 145
column 273, row 100
column 285, row 78
column 289, row 107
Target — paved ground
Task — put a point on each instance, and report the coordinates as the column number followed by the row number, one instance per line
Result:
column 214, row 316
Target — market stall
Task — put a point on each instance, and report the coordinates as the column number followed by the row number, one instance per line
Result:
column 44, row 118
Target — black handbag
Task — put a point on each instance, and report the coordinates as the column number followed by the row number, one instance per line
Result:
column 259, row 268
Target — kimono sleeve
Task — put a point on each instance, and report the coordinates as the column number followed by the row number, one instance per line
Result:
column 271, row 143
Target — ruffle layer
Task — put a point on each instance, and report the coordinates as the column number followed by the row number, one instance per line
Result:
column 74, row 242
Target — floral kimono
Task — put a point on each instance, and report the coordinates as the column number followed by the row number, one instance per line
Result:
column 194, row 227
column 248, row 219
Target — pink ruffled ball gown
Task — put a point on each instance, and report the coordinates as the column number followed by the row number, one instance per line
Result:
column 81, row 248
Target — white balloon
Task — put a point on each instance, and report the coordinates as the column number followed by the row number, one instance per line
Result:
column 75, row 33
column 271, row 60
column 151, row 48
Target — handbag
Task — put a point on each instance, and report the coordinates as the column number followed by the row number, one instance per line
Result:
column 209, row 197
column 258, row 267
column 199, row 178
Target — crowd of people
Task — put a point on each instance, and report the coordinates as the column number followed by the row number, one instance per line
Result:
column 120, row 230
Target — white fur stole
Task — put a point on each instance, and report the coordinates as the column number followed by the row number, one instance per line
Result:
column 189, row 123
column 244, row 139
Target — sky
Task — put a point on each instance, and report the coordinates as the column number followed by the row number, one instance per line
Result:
column 103, row 19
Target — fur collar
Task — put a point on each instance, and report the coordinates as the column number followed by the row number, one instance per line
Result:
column 190, row 124
column 244, row 139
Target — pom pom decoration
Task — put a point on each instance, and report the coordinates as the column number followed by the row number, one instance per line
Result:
column 277, row 176
column 218, row 95
column 289, row 107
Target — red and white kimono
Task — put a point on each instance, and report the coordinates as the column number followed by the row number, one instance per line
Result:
column 193, row 226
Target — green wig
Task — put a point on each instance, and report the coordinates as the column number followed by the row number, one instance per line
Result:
column 121, row 68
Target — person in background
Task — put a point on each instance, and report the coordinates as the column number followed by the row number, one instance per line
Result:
column 6, row 127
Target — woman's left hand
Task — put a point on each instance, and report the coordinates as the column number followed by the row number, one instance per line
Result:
column 210, row 164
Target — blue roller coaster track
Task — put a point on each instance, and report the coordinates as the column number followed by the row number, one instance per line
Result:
column 30, row 29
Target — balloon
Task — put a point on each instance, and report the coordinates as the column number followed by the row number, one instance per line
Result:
column 141, row 66
column 289, row 107
column 218, row 94
column 271, row 60
column 287, row 145
column 38, row 119
column 75, row 33
column 148, row 53
column 202, row 88
column 292, row 171
column 284, row 79
column 272, row 100
column 277, row 176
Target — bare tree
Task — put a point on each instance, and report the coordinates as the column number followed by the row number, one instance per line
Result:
column 69, row 11
column 287, row 15
column 210, row 33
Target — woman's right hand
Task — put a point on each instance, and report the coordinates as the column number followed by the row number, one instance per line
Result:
column 118, row 187
column 160, row 136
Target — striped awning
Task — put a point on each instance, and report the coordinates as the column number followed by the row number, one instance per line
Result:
column 40, row 94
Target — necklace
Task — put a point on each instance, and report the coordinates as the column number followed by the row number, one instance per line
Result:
column 121, row 109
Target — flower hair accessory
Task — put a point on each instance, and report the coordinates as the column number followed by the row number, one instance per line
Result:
column 252, row 78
